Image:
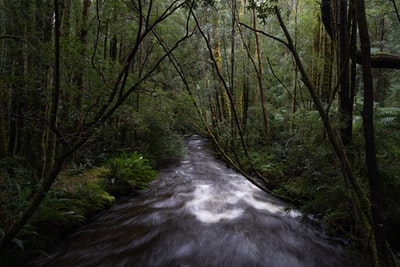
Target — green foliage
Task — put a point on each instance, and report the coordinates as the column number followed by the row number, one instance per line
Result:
column 387, row 142
column 130, row 168
column 315, row 185
column 391, row 180
column 16, row 185
column 76, row 168
column 153, row 120
column 267, row 162
column 388, row 117
column 162, row 121
column 264, row 8
column 203, row 3
column 312, row 178
column 68, row 204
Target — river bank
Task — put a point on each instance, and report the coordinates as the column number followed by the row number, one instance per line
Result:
column 199, row 213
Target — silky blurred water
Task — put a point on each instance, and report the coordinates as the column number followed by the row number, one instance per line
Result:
column 199, row 213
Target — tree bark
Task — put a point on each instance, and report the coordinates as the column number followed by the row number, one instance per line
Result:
column 235, row 115
column 328, row 59
column 79, row 78
column 3, row 128
column 316, row 50
column 259, row 72
column 382, row 60
column 345, row 100
column 102, row 114
column 375, row 183
column 334, row 138
column 40, row 194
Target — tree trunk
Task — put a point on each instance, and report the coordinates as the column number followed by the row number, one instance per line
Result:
column 230, row 99
column 316, row 51
column 40, row 194
column 375, row 183
column 260, row 80
column 49, row 139
column 3, row 126
column 245, row 96
column 102, row 114
column 361, row 198
column 327, row 70
column 79, row 79
column 345, row 101
column 34, row 204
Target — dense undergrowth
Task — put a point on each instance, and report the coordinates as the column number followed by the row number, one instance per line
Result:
column 302, row 168
column 106, row 168
column 79, row 193
column 299, row 163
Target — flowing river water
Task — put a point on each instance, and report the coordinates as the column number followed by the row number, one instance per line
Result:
column 199, row 213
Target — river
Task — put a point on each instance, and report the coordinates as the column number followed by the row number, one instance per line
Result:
column 199, row 213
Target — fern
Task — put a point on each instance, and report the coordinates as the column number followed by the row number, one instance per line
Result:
column 388, row 117
column 132, row 168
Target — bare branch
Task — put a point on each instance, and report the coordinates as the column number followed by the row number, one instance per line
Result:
column 266, row 34
column 396, row 9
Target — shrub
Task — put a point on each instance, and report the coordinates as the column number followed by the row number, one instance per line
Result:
column 127, row 172
column 16, row 185
column 72, row 199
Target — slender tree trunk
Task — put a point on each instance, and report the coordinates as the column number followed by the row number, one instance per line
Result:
column 246, row 71
column 345, row 104
column 102, row 114
column 57, row 56
column 245, row 96
column 316, row 51
column 17, row 109
column 41, row 143
column 113, row 48
column 296, row 68
column 353, row 63
column 83, row 39
column 233, row 46
column 47, row 181
column 381, row 85
column 3, row 94
column 3, row 127
column 34, row 204
column 260, row 80
column 375, row 183
column 65, row 20
column 361, row 200
column 328, row 58
column 396, row 9
column 231, row 103
column 15, row 67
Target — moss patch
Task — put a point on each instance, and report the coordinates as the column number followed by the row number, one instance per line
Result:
column 70, row 202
